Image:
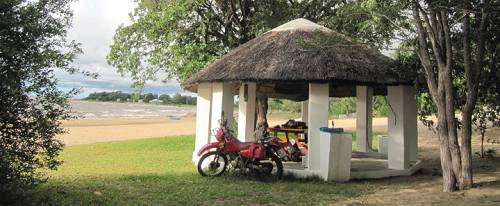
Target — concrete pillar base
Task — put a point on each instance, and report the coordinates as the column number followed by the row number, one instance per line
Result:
column 335, row 156
column 383, row 141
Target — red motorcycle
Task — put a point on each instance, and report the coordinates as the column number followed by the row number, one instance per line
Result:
column 258, row 157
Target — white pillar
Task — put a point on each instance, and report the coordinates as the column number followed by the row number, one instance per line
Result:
column 402, row 126
column 246, row 112
column 364, row 101
column 203, row 109
column 318, row 117
column 222, row 101
column 305, row 111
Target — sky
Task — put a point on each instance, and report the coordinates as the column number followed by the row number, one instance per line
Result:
column 94, row 25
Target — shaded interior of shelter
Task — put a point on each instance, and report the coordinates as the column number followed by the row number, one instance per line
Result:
column 299, row 90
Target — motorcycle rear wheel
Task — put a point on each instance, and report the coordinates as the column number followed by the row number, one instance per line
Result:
column 275, row 171
column 212, row 164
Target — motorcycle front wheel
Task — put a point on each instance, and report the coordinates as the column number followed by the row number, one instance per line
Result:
column 212, row 164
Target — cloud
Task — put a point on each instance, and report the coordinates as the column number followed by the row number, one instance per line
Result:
column 94, row 25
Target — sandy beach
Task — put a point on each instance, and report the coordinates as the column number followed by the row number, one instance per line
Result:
column 86, row 131
column 104, row 121
column 110, row 121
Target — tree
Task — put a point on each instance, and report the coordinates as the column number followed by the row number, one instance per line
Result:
column 165, row 98
column 487, row 111
column 179, row 37
column 148, row 97
column 136, row 96
column 33, row 44
column 178, row 99
column 433, row 23
column 108, row 96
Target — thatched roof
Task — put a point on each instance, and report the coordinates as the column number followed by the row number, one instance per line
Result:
column 284, row 60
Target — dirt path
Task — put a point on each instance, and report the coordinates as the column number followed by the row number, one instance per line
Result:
column 424, row 188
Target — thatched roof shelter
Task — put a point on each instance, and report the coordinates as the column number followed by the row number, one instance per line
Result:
column 306, row 62
column 284, row 60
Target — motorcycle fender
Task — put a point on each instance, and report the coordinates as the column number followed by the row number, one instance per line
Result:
column 208, row 147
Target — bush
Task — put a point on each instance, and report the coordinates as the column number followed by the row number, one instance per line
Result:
column 31, row 107
column 342, row 106
column 284, row 105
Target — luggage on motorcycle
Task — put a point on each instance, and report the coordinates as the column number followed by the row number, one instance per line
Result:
column 255, row 151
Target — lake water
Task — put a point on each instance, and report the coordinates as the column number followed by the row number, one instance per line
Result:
column 98, row 110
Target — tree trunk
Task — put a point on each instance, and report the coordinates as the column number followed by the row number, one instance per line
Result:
column 466, row 176
column 437, row 32
column 262, row 112
column 472, row 74
column 449, row 181
column 446, row 156
column 452, row 125
column 482, row 144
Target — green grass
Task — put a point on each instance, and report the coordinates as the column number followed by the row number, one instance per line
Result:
column 374, row 140
column 160, row 172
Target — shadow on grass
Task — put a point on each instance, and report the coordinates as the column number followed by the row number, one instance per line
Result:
column 190, row 189
column 494, row 184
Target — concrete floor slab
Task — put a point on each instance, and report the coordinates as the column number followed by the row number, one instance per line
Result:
column 363, row 166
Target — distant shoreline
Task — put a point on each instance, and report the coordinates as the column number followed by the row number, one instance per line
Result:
column 83, row 109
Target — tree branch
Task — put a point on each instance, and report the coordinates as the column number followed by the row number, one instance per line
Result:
column 473, row 72
column 447, row 38
column 432, row 37
column 423, row 52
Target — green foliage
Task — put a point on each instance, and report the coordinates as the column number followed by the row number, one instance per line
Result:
column 165, row 98
column 380, row 106
column 347, row 106
column 148, row 97
column 33, row 44
column 374, row 22
column 119, row 96
column 179, row 37
column 342, row 106
column 136, row 97
column 487, row 110
column 284, row 105
column 338, row 106
column 174, row 37
column 159, row 171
